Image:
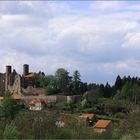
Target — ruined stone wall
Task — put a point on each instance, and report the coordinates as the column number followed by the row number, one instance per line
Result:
column 16, row 87
column 60, row 98
column 2, row 82
column 76, row 98
column 51, row 99
column 46, row 99
column 70, row 99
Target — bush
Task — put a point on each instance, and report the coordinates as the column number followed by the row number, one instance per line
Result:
column 11, row 132
column 120, row 115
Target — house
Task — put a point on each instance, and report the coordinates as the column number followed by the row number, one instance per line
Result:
column 86, row 119
column 36, row 104
column 1, row 98
column 102, row 126
column 89, row 115
column 16, row 96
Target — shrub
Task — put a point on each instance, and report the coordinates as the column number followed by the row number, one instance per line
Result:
column 11, row 132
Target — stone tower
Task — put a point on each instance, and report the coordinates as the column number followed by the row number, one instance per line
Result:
column 8, row 72
column 25, row 69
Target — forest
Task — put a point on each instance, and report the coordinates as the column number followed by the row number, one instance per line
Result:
column 119, row 102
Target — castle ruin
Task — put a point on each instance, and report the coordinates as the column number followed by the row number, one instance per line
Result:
column 21, row 84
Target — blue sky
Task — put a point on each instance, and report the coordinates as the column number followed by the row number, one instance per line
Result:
column 101, row 39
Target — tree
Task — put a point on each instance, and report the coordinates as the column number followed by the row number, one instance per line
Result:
column 118, row 83
column 135, row 93
column 51, row 87
column 92, row 86
column 63, row 80
column 107, row 91
column 82, row 87
column 42, row 80
column 76, row 81
column 131, row 92
column 10, row 107
column 93, row 95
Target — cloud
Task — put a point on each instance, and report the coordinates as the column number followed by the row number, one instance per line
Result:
column 132, row 40
column 49, row 35
column 108, row 5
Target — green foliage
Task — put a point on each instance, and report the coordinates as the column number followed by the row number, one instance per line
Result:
column 76, row 81
column 2, row 127
column 42, row 80
column 123, row 111
column 118, row 83
column 93, row 95
column 51, row 90
column 107, row 91
column 51, row 87
column 65, row 106
column 120, row 115
column 11, row 132
column 63, row 80
column 129, row 126
column 10, row 107
column 131, row 92
column 34, row 124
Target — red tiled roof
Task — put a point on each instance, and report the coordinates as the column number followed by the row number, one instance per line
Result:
column 34, row 101
column 30, row 75
column 1, row 98
column 102, row 123
column 90, row 116
column 16, row 96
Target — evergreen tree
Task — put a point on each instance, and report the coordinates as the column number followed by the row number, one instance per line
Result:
column 10, row 107
column 76, row 81
column 107, row 90
column 118, row 83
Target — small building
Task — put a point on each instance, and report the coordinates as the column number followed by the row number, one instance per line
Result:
column 1, row 98
column 16, row 96
column 89, row 115
column 102, row 126
column 86, row 119
column 36, row 105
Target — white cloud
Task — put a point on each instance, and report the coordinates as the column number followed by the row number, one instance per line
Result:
column 49, row 35
column 107, row 5
column 132, row 40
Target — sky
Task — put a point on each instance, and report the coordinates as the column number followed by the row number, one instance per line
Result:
column 101, row 39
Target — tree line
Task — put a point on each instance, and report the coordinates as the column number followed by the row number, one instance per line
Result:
column 63, row 83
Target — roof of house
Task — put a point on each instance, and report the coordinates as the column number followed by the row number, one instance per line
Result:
column 89, row 115
column 102, row 123
column 34, row 101
column 1, row 98
column 16, row 96
column 31, row 75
